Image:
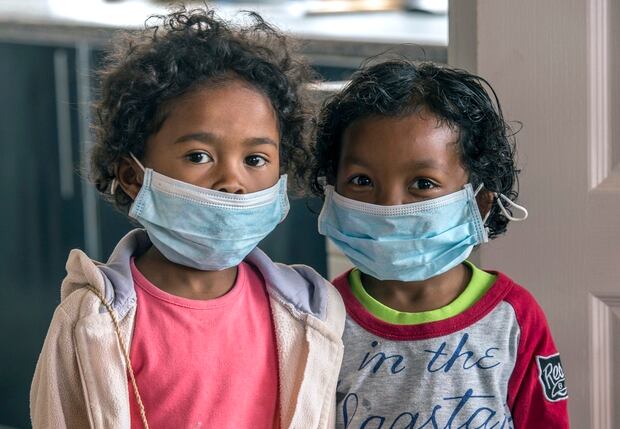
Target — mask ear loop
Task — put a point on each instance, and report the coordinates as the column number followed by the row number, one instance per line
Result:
column 114, row 184
column 478, row 189
column 523, row 210
column 499, row 197
column 137, row 161
column 486, row 217
column 322, row 181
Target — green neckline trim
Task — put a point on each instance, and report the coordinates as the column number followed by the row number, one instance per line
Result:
column 479, row 284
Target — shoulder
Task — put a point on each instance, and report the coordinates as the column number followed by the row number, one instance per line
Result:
column 301, row 289
column 80, row 303
column 534, row 331
column 342, row 281
column 528, row 311
column 336, row 313
column 342, row 285
column 77, row 299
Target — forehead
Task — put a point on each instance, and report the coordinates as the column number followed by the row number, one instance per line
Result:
column 227, row 108
column 400, row 141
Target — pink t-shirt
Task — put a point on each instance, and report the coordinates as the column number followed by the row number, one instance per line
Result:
column 205, row 364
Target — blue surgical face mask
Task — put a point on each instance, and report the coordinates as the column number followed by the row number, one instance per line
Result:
column 409, row 242
column 202, row 228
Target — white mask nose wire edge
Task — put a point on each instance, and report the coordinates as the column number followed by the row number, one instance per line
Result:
column 501, row 197
column 114, row 183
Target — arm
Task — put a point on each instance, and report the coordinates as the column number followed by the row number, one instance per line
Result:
column 56, row 398
column 537, row 394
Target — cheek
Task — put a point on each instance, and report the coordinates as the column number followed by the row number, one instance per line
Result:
column 265, row 178
column 277, row 160
column 274, row 171
column 343, row 188
column 276, row 166
column 457, row 179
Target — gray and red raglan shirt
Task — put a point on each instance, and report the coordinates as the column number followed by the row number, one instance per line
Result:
column 494, row 365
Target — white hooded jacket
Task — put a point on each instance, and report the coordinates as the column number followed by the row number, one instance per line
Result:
column 81, row 376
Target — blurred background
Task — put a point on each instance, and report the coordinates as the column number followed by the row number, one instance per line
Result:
column 554, row 65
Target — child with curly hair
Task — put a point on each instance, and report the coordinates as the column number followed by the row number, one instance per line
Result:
column 417, row 167
column 188, row 324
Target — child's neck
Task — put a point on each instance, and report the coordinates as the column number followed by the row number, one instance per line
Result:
column 183, row 281
column 418, row 296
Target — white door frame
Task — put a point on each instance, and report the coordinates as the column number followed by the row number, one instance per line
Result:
column 555, row 65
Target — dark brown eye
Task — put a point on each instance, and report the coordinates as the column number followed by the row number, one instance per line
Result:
column 199, row 157
column 255, row 161
column 361, row 181
column 423, row 184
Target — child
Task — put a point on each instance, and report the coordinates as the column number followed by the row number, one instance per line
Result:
column 420, row 170
column 188, row 325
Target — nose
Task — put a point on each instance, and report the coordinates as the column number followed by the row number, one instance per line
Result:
column 228, row 180
column 230, row 185
column 231, row 188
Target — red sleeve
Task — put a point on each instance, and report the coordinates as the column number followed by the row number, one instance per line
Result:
column 537, row 394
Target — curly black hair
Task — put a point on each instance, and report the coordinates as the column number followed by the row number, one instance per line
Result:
column 177, row 53
column 457, row 98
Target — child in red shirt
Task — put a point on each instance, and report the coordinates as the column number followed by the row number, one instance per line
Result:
column 416, row 166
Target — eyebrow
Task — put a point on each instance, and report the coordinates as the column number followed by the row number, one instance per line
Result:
column 352, row 159
column 428, row 163
column 206, row 137
column 417, row 164
column 201, row 137
column 257, row 141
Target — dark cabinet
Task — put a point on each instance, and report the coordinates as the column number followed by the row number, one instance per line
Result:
column 42, row 207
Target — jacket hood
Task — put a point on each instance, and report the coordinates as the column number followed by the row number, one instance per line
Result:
column 298, row 285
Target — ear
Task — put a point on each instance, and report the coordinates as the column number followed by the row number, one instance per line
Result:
column 130, row 177
column 485, row 201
